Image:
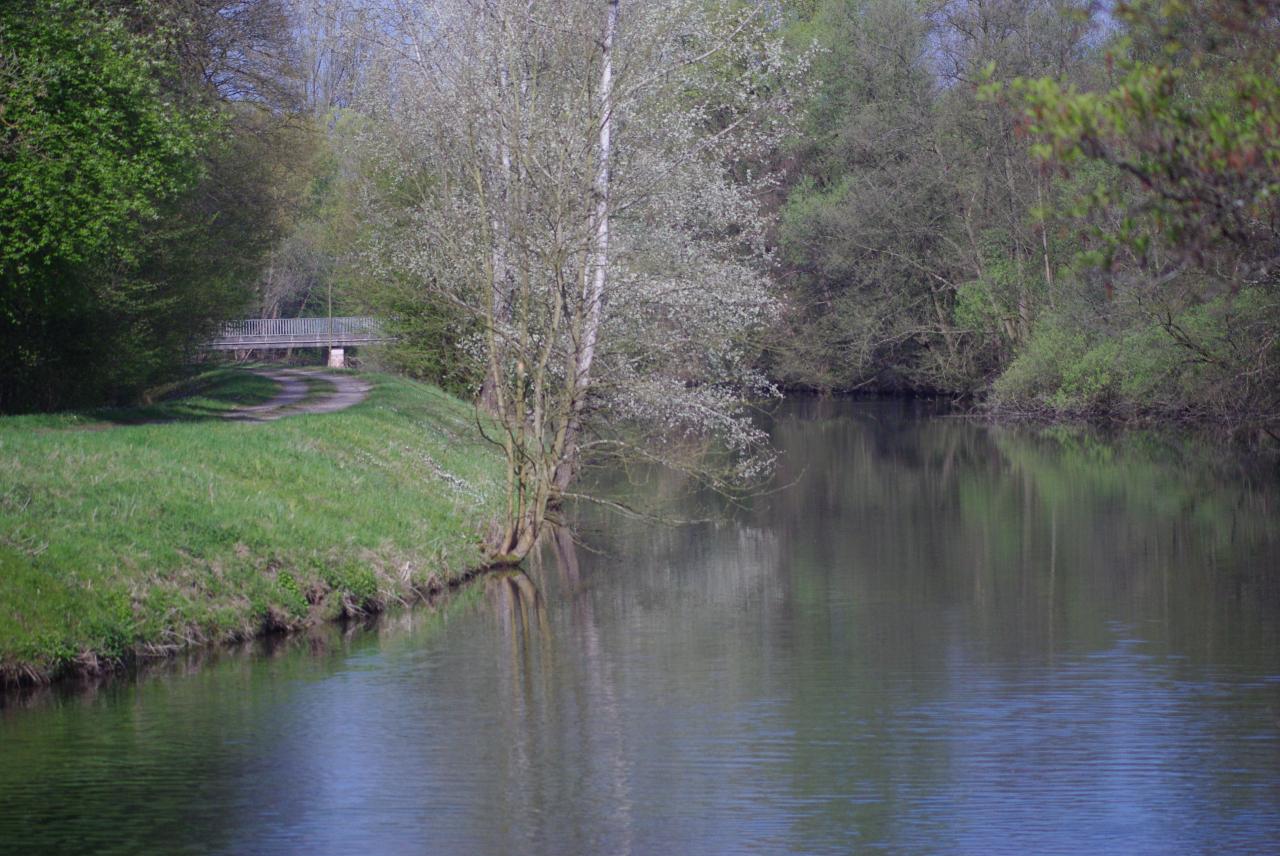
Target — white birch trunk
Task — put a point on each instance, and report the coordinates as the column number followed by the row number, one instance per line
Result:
column 499, row 224
column 600, row 255
column 593, row 292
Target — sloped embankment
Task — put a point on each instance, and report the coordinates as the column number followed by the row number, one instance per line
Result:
column 147, row 538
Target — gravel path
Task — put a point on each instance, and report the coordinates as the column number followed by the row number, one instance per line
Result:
column 289, row 401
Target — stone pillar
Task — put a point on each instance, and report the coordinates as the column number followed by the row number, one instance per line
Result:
column 336, row 359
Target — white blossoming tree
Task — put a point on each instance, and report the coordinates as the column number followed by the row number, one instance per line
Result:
column 564, row 173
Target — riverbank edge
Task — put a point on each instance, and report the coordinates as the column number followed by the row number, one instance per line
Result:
column 1251, row 436
column 307, row 588
column 92, row 665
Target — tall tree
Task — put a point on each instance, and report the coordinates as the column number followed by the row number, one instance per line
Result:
column 562, row 181
column 146, row 150
column 91, row 150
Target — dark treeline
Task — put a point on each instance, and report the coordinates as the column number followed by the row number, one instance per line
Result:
column 1063, row 209
column 148, row 151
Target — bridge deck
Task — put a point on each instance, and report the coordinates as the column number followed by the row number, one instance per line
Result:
column 254, row 333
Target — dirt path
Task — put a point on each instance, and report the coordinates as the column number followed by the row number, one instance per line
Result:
column 292, row 399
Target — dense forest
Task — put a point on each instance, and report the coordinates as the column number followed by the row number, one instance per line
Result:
column 1053, row 207
column 1056, row 207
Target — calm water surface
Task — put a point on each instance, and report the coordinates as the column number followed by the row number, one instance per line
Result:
column 946, row 638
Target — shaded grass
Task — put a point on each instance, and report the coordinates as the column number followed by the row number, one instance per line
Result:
column 208, row 395
column 144, row 539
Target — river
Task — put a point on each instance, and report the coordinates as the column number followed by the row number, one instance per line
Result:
column 942, row 637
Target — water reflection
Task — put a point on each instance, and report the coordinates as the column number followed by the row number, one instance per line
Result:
column 949, row 638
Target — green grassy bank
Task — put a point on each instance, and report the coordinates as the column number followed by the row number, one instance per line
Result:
column 120, row 539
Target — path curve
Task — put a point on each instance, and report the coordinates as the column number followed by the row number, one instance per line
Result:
column 291, row 400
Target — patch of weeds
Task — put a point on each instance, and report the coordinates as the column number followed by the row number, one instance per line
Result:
column 354, row 580
column 291, row 595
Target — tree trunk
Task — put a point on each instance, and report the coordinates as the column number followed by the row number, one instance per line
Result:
column 593, row 294
column 501, row 232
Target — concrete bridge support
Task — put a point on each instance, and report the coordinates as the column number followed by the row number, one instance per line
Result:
column 337, row 358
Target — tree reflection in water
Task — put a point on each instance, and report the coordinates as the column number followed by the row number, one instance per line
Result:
column 560, row 693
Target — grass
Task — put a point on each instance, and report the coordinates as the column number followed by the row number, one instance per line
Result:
column 142, row 539
column 204, row 396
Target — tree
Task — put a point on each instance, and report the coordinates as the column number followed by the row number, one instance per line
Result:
column 561, row 179
column 1192, row 115
column 141, row 145
column 91, row 149
column 867, row 230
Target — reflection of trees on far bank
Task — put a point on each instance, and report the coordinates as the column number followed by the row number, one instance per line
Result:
column 1045, row 533
column 933, row 594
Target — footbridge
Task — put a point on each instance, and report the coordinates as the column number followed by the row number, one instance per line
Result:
column 259, row 333
column 336, row 334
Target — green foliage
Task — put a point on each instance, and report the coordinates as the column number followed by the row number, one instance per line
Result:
column 143, row 185
column 1036, row 375
column 1192, row 115
column 1178, row 224
column 1132, row 368
column 853, row 225
column 433, row 339
column 920, row 238
column 355, row 580
column 1089, row 225
column 94, row 149
column 290, row 595
column 976, row 309
column 90, row 144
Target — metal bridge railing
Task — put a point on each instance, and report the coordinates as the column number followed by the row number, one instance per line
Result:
column 297, row 333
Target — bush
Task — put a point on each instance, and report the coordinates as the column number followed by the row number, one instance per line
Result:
column 1037, row 374
column 1217, row 359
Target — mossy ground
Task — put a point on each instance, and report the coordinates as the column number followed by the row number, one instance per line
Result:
column 121, row 539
